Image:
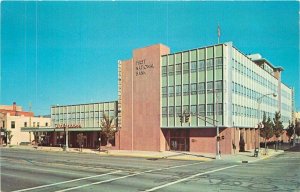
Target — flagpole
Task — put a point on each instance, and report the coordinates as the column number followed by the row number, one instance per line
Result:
column 219, row 33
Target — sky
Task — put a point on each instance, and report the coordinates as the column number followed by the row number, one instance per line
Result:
column 67, row 52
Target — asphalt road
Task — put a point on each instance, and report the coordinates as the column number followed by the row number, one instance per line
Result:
column 38, row 171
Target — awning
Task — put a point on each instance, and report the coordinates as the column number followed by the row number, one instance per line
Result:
column 53, row 129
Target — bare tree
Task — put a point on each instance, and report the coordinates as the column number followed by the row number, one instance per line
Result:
column 80, row 140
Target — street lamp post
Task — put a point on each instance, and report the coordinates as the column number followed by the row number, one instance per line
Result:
column 259, row 101
column 218, row 155
column 67, row 132
column 215, row 124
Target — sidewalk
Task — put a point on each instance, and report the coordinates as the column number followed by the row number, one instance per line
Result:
column 240, row 157
column 248, row 156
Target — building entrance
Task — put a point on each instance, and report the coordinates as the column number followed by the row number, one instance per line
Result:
column 178, row 140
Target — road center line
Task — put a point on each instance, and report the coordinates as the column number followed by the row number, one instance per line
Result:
column 123, row 177
column 190, row 177
column 63, row 182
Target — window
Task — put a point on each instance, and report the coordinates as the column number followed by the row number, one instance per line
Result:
column 186, row 109
column 210, row 86
column 46, row 124
column 164, row 111
column 178, row 111
column 186, row 89
column 185, row 67
column 219, row 62
column 210, row 109
column 164, row 91
column 178, row 90
column 38, row 124
column 178, row 68
column 25, row 124
column 210, row 64
column 194, row 88
column 171, row 111
column 164, row 70
column 220, row 108
column 201, row 65
column 219, row 86
column 202, row 110
column 171, row 91
column 201, row 88
column 13, row 124
column 171, row 69
column 193, row 66
column 194, row 110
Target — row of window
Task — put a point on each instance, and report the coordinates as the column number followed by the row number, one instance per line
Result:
column 34, row 124
column 285, row 107
column 192, row 89
column 239, row 110
column 267, row 68
column 194, row 110
column 82, row 115
column 254, row 95
column 193, row 66
column 84, row 108
column 285, row 94
column 81, row 119
column 242, row 69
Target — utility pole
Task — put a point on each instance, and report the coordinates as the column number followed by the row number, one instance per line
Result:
column 67, row 131
column 218, row 156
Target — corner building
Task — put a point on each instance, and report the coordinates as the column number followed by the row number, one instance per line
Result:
column 210, row 83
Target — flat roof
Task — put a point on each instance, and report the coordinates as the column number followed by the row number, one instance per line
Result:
column 85, row 103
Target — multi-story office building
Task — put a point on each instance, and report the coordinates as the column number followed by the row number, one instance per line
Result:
column 75, row 119
column 215, row 86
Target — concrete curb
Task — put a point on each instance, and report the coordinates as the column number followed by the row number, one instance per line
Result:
column 264, row 157
column 185, row 157
column 154, row 157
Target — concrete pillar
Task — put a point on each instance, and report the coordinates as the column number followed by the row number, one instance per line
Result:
column 54, row 135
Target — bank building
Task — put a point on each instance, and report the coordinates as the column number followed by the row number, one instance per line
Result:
column 205, row 99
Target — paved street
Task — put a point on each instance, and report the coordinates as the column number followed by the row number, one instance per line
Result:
column 28, row 170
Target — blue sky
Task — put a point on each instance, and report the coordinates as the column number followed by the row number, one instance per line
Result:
column 67, row 52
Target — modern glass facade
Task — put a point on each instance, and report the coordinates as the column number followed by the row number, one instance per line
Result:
column 192, row 81
column 220, row 81
column 85, row 115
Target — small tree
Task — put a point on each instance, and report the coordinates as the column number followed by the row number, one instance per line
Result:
column 267, row 131
column 80, row 140
column 297, row 128
column 9, row 136
column 290, row 131
column 108, row 129
column 277, row 125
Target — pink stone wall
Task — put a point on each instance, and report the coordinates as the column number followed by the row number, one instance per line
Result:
column 141, row 100
column 203, row 140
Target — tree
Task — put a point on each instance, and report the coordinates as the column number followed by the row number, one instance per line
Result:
column 80, row 140
column 290, row 130
column 297, row 128
column 108, row 129
column 9, row 136
column 277, row 126
column 267, row 131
